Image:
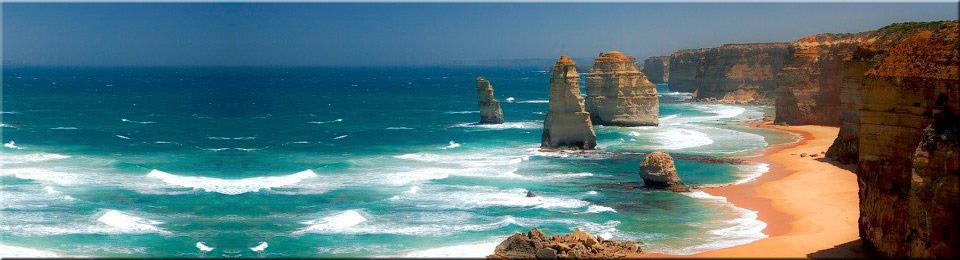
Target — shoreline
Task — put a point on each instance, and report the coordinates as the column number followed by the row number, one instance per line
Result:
column 810, row 205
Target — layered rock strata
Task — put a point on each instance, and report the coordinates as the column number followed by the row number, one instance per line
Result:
column 576, row 245
column 731, row 73
column 909, row 145
column 657, row 69
column 490, row 112
column 619, row 94
column 658, row 171
column 567, row 125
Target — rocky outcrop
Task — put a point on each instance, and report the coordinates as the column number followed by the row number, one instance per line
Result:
column 619, row 94
column 578, row 244
column 490, row 112
column 731, row 73
column 908, row 162
column 568, row 125
column 657, row 69
column 658, row 171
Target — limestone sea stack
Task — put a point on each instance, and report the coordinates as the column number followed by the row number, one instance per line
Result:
column 568, row 124
column 658, row 171
column 490, row 112
column 619, row 94
column 576, row 245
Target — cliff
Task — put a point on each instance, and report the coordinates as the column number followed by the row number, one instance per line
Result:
column 732, row 73
column 619, row 94
column 490, row 112
column 809, row 85
column 567, row 125
column 657, row 69
column 576, row 245
column 909, row 144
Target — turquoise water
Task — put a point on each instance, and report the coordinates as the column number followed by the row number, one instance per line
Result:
column 302, row 162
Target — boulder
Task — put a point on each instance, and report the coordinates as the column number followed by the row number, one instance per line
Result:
column 490, row 112
column 658, row 171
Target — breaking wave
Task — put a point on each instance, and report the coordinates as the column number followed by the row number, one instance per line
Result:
column 231, row 186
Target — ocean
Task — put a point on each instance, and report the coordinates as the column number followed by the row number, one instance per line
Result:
column 326, row 161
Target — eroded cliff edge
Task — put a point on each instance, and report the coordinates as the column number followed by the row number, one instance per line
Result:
column 731, row 73
column 657, row 69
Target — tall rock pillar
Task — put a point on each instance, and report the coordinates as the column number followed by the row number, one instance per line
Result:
column 619, row 94
column 568, row 124
column 490, row 112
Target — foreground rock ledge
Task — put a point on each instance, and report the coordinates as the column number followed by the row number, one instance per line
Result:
column 578, row 244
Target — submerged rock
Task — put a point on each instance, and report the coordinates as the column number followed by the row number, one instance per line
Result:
column 568, row 124
column 490, row 112
column 619, row 94
column 578, row 244
column 658, row 171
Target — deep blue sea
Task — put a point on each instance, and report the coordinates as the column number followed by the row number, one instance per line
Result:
column 306, row 162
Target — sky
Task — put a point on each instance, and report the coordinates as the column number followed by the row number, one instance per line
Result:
column 401, row 34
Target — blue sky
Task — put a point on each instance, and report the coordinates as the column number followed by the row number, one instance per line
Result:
column 309, row 34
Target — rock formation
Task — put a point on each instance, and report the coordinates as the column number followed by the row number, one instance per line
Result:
column 619, row 94
column 567, row 125
column 578, row 244
column 658, row 171
column 731, row 73
column 490, row 112
column 909, row 144
column 657, row 69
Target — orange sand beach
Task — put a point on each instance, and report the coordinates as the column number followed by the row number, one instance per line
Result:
column 810, row 205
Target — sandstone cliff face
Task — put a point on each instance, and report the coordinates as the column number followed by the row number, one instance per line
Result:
column 908, row 163
column 732, row 73
column 809, row 85
column 684, row 66
column 657, row 69
column 619, row 94
column 568, row 125
column 490, row 112
column 576, row 245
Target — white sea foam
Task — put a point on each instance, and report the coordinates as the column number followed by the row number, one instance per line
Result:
column 593, row 192
column 203, row 247
column 506, row 125
column 399, row 128
column 11, row 144
column 326, row 122
column 463, row 112
column 231, row 186
column 16, row 251
column 752, row 172
column 41, row 175
column 64, row 128
column 598, row 209
column 2, row 125
column 9, row 112
column 470, row 197
column 340, row 137
column 16, row 158
column 680, row 138
column 231, row 138
column 535, row 101
column 137, row 122
column 510, row 99
column 260, row 247
column 334, row 223
column 476, row 250
column 122, row 137
column 743, row 229
column 452, row 145
column 124, row 223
